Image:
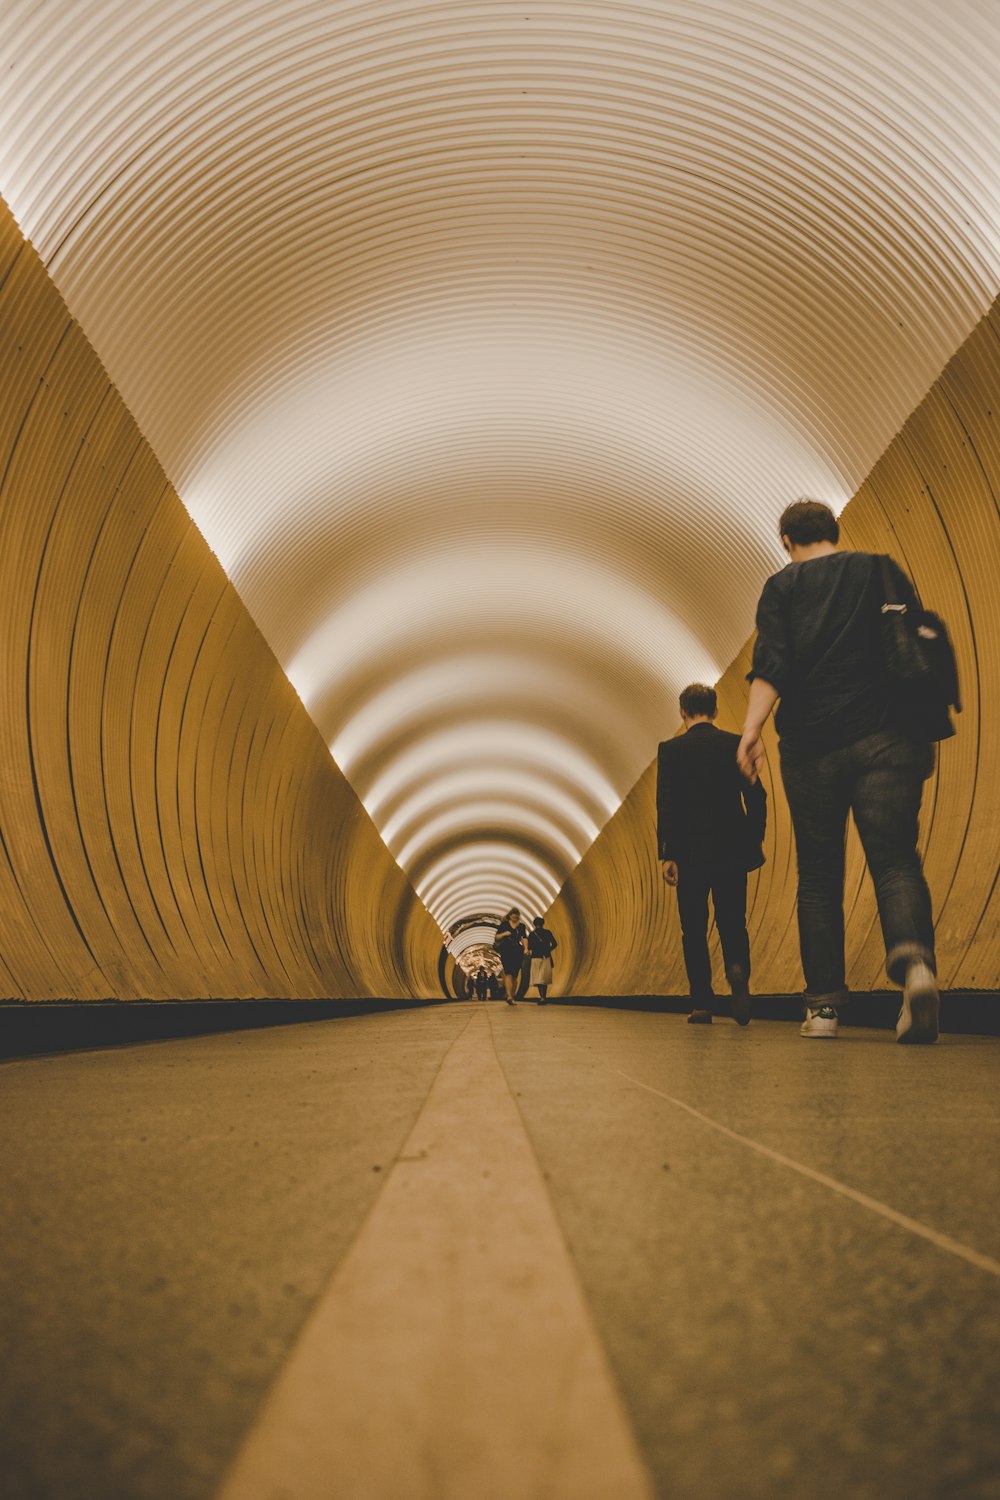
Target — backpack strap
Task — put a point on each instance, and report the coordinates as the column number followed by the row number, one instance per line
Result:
column 890, row 588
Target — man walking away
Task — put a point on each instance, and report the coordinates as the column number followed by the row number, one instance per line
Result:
column 819, row 649
column 710, row 827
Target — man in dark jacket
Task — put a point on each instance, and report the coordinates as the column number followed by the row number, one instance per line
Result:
column 710, row 827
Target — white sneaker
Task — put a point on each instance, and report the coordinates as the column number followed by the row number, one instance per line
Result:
column 918, row 1017
column 819, row 1022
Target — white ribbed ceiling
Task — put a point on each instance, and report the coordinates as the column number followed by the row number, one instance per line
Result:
column 485, row 342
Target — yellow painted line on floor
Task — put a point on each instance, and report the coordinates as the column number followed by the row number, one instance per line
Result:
column 453, row 1356
column 914, row 1226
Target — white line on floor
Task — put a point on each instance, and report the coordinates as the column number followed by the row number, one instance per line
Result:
column 453, row 1354
column 925, row 1232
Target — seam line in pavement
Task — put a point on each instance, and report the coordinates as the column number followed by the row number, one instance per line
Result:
column 914, row 1226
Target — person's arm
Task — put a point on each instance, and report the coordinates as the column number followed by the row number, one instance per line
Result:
column 768, row 675
column 750, row 753
column 666, row 821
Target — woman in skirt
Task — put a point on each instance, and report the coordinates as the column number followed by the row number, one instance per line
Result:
column 540, row 946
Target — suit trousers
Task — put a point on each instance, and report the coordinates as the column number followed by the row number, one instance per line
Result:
column 728, row 889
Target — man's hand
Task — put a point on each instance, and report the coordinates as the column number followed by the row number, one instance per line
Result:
column 670, row 871
column 750, row 756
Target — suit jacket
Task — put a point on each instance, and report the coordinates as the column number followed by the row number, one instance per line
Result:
column 707, row 813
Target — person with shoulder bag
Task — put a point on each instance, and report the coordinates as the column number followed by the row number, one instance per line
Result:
column 865, row 678
column 541, row 946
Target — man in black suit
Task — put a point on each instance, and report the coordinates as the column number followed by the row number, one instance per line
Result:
column 710, row 827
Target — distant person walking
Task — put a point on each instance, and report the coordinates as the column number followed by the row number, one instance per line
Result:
column 541, row 946
column 481, row 983
column 710, row 826
column 509, row 942
column 843, row 748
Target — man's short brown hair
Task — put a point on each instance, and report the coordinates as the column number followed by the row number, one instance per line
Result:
column 808, row 521
column 699, row 699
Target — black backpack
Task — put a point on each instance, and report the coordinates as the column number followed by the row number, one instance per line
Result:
column 920, row 666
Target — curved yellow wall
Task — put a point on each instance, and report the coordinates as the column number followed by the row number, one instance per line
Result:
column 931, row 501
column 171, row 822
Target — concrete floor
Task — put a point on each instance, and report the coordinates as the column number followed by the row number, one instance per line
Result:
column 553, row 1253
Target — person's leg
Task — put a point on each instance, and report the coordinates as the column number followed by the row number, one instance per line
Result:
column 509, row 980
column 886, row 796
column 543, row 991
column 818, row 800
column 729, row 897
column 693, row 885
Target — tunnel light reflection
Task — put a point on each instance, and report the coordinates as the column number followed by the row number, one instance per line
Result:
column 531, row 791
column 623, row 622
column 448, row 920
column 551, row 790
column 451, row 915
column 469, row 681
column 486, row 858
column 487, row 889
column 472, row 937
column 511, row 742
column 487, row 815
column 486, row 876
column 500, row 892
column 459, row 881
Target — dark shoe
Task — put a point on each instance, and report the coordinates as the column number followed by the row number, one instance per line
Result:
column 700, row 1018
column 741, row 995
column 918, row 1017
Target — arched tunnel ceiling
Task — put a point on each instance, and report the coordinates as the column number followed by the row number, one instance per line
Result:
column 485, row 342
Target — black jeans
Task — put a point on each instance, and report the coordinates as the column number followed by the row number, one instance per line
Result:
column 728, row 888
column 880, row 780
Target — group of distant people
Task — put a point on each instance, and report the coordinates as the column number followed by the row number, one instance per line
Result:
column 485, row 985
column 848, row 743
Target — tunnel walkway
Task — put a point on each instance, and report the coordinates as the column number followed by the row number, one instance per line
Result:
column 482, row 1252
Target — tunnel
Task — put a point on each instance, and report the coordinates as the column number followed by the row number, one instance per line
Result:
column 399, row 399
